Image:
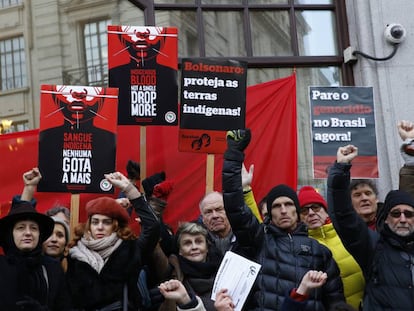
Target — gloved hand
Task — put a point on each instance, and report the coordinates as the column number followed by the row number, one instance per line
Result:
column 237, row 141
column 133, row 170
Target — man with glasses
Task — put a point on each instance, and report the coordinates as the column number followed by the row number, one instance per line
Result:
column 386, row 255
column 314, row 213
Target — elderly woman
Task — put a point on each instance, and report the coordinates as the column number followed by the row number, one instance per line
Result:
column 105, row 256
column 29, row 280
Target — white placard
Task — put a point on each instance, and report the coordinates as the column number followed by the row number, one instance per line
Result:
column 237, row 274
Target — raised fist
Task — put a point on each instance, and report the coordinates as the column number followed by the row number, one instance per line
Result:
column 238, row 139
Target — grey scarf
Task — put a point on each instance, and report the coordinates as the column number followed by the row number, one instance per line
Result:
column 95, row 252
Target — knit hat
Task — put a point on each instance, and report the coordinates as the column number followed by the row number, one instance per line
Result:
column 150, row 182
column 24, row 211
column 393, row 198
column 308, row 195
column 109, row 207
column 65, row 226
column 396, row 197
column 163, row 189
column 282, row 191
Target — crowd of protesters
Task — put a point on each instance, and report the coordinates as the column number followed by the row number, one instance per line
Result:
column 347, row 251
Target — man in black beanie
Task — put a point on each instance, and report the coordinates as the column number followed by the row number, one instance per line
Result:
column 281, row 244
column 386, row 256
column 280, row 196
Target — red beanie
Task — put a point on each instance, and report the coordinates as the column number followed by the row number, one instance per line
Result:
column 109, row 207
column 163, row 189
column 308, row 195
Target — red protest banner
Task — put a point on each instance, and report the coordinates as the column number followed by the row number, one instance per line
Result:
column 271, row 115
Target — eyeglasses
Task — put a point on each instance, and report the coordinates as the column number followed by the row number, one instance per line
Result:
column 397, row 214
column 305, row 209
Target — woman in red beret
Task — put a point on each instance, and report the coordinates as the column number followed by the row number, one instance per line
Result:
column 105, row 256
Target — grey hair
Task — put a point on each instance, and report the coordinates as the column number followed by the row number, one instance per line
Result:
column 58, row 209
column 200, row 205
column 191, row 228
column 357, row 182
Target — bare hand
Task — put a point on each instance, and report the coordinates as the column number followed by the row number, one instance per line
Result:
column 405, row 129
column 124, row 202
column 32, row 177
column 311, row 279
column 247, row 176
column 174, row 290
column 346, row 154
column 223, row 301
column 117, row 179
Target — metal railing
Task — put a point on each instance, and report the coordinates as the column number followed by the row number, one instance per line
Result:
column 92, row 75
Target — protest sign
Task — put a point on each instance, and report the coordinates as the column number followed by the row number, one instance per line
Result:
column 213, row 100
column 272, row 104
column 342, row 116
column 77, row 138
column 143, row 62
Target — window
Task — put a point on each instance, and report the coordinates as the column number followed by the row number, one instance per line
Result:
column 262, row 32
column 275, row 37
column 96, row 52
column 12, row 63
column 7, row 3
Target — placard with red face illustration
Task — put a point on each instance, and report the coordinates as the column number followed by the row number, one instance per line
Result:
column 143, row 62
column 77, row 138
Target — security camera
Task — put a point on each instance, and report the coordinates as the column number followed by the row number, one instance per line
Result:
column 394, row 33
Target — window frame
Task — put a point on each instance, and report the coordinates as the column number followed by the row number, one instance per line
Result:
column 103, row 63
column 21, row 65
column 337, row 7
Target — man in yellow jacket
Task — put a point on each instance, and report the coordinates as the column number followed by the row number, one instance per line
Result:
column 313, row 212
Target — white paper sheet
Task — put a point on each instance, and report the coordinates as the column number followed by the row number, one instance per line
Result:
column 237, row 274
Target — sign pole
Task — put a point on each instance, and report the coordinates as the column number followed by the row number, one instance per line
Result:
column 210, row 173
column 74, row 212
column 143, row 153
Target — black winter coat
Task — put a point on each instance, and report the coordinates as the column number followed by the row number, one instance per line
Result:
column 53, row 291
column 91, row 290
column 285, row 257
column 386, row 260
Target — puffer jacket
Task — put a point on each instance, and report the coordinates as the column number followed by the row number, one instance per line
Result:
column 351, row 274
column 285, row 257
column 386, row 260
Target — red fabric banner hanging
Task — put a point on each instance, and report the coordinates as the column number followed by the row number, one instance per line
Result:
column 270, row 114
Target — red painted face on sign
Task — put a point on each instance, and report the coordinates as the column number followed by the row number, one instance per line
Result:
column 143, row 42
column 79, row 103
